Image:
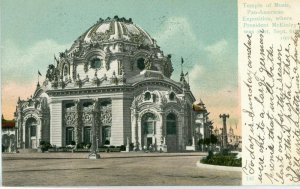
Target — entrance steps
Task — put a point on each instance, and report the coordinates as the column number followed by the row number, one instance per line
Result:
column 27, row 150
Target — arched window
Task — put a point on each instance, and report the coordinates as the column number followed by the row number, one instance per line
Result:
column 96, row 63
column 172, row 96
column 149, row 120
column 171, row 124
column 147, row 96
column 141, row 63
column 66, row 71
column 31, row 124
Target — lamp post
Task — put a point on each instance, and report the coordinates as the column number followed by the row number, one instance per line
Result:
column 94, row 154
column 224, row 131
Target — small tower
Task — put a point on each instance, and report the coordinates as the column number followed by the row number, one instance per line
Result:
column 201, row 122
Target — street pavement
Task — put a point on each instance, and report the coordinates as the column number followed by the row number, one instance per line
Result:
column 113, row 169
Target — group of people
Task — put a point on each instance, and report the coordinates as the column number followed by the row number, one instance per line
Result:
column 150, row 148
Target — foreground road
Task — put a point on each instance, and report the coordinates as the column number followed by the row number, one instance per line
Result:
column 113, row 169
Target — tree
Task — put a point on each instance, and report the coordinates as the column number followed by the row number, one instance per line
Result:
column 214, row 139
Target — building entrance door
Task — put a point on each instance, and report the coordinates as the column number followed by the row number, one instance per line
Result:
column 33, row 136
column 30, row 133
column 149, row 142
column 106, row 134
column 148, row 130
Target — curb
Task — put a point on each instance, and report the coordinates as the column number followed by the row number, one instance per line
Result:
column 217, row 167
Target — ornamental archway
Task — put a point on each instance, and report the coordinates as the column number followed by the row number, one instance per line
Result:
column 171, row 132
column 31, row 133
column 148, row 129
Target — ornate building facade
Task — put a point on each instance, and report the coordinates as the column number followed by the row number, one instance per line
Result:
column 116, row 78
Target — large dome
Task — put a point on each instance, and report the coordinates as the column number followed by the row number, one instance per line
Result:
column 111, row 48
column 115, row 29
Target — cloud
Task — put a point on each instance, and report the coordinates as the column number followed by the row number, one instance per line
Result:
column 214, row 80
column 19, row 70
column 174, row 30
column 218, row 47
column 220, row 66
column 212, row 67
column 176, row 37
column 21, row 64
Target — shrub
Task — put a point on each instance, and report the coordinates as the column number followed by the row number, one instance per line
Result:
column 221, row 159
column 45, row 145
column 224, row 152
column 122, row 147
column 73, row 142
column 210, row 155
column 80, row 145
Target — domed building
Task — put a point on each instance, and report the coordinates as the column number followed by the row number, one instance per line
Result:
column 116, row 79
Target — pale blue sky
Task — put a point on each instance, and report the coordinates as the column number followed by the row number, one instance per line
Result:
column 204, row 33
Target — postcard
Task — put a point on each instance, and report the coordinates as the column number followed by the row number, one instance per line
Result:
column 149, row 93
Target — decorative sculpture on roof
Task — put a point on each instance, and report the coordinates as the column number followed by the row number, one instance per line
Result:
column 52, row 73
column 168, row 69
column 137, row 38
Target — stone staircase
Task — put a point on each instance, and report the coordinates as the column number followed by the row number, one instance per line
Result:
column 27, row 150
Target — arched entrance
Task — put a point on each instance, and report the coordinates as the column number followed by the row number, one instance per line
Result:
column 31, row 133
column 171, row 123
column 5, row 142
column 148, row 130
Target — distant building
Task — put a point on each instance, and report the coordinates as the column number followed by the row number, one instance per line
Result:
column 235, row 141
column 203, row 125
column 116, row 78
column 8, row 135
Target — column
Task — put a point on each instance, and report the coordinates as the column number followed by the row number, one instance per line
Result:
column 95, row 112
column 24, row 135
column 162, row 130
column 133, row 127
column 56, row 123
column 77, row 129
column 181, row 131
column 139, row 134
column 117, row 122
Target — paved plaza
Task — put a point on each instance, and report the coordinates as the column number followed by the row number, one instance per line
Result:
column 113, row 169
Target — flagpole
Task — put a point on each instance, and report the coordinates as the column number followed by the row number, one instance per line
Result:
column 39, row 74
column 181, row 64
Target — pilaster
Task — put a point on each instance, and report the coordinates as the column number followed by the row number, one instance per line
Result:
column 56, row 123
